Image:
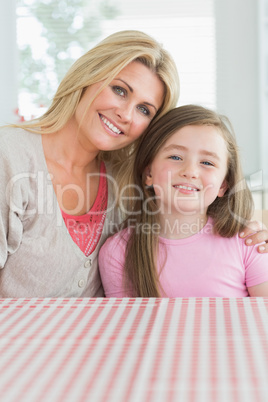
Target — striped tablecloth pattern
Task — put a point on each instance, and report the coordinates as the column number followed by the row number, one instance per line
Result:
column 134, row 350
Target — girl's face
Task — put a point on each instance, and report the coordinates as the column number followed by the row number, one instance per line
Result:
column 121, row 112
column 188, row 173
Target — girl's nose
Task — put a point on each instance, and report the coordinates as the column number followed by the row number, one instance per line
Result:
column 189, row 170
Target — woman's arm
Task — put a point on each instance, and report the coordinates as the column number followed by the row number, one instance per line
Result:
column 259, row 290
column 13, row 194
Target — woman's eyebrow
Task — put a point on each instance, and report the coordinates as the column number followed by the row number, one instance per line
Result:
column 131, row 90
column 129, row 87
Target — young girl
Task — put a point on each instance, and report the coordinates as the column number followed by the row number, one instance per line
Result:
column 182, row 238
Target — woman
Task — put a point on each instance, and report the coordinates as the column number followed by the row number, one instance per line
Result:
column 57, row 206
column 58, row 196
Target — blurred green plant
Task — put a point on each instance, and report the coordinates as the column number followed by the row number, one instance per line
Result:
column 69, row 28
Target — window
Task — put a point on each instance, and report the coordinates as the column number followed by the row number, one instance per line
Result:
column 187, row 29
column 51, row 35
column 65, row 29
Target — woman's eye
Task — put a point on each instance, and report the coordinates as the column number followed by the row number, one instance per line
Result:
column 119, row 90
column 175, row 157
column 144, row 110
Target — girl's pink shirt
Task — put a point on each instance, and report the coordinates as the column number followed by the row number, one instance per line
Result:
column 202, row 265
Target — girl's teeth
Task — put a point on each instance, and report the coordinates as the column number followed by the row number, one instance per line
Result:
column 187, row 188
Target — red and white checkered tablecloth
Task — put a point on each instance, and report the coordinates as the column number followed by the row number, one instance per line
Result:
column 134, row 350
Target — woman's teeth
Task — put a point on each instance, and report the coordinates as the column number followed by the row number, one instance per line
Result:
column 110, row 125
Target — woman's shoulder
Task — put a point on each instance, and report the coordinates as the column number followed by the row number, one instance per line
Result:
column 16, row 138
column 11, row 132
column 20, row 148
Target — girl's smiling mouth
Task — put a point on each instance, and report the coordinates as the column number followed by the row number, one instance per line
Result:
column 186, row 187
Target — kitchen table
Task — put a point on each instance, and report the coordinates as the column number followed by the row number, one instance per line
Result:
column 134, row 350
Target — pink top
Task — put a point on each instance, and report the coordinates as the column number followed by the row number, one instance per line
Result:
column 203, row 265
column 86, row 229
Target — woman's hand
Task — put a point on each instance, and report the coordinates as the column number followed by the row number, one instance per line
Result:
column 255, row 233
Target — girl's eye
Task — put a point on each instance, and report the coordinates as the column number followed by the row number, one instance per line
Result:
column 175, row 158
column 119, row 90
column 144, row 110
column 206, row 163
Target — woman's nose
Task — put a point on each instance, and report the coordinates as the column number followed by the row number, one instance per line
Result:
column 125, row 112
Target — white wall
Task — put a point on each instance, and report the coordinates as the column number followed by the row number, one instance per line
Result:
column 238, row 61
column 8, row 61
column 263, row 85
column 237, row 74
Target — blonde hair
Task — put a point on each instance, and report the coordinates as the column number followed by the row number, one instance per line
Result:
column 230, row 212
column 102, row 63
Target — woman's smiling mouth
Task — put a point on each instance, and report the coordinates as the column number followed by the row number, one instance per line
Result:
column 110, row 125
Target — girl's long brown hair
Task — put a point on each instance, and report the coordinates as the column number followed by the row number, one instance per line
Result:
column 230, row 212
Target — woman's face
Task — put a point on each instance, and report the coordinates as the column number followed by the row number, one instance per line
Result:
column 121, row 112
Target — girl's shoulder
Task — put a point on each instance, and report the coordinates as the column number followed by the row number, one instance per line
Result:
column 113, row 249
column 236, row 245
column 118, row 239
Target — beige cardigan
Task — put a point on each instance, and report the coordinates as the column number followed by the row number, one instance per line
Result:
column 38, row 257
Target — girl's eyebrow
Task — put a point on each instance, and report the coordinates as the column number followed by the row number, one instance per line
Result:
column 182, row 148
column 131, row 90
column 175, row 146
column 212, row 154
